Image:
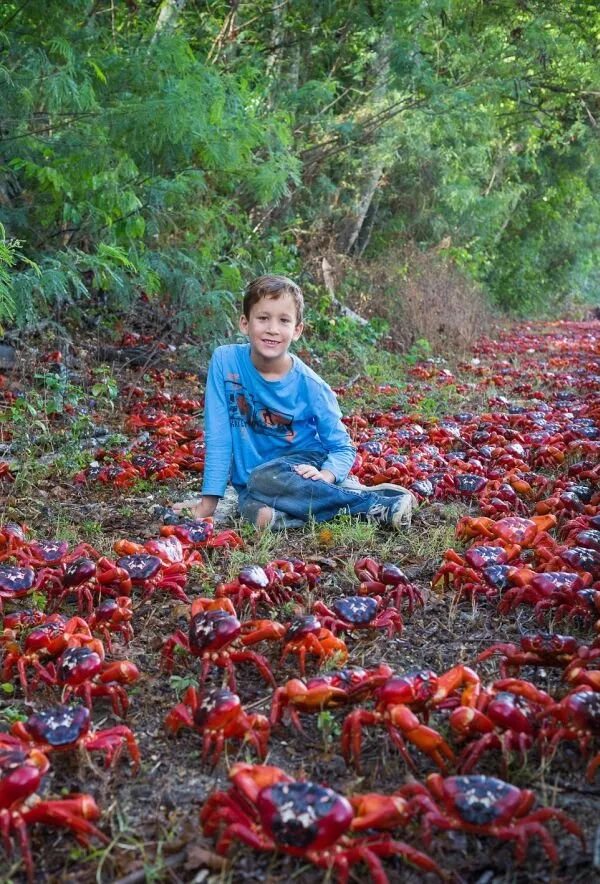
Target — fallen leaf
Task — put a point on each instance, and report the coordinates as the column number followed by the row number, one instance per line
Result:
column 323, row 561
column 197, row 857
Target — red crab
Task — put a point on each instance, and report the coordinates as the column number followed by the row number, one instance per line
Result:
column 570, row 530
column 85, row 578
column 296, row 573
column 211, row 633
column 82, row 672
column 62, row 728
column 12, row 537
column 326, row 691
column 5, row 473
column 53, row 553
column 584, row 560
column 388, row 581
column 275, row 584
column 541, row 590
column 500, row 498
column 539, row 649
column 578, row 718
column 358, row 612
column 113, row 616
column 505, row 717
column 21, row 772
column 151, row 573
column 305, row 635
column 529, row 533
column 268, row 810
column 200, row 533
column 589, row 539
column 485, row 806
column 169, row 550
column 397, row 701
column 472, row 572
column 43, row 644
column 76, row 577
column 575, row 604
column 218, row 716
column 16, row 582
column 16, row 621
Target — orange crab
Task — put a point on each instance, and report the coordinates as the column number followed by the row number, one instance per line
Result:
column 399, row 700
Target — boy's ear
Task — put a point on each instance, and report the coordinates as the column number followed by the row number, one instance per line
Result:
column 243, row 324
column 298, row 331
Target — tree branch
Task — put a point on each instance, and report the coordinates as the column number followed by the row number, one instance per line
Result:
column 17, row 12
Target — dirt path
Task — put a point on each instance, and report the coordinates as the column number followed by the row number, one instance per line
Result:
column 521, row 419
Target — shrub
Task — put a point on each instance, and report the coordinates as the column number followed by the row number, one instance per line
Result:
column 421, row 296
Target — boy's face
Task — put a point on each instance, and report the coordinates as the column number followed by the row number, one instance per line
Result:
column 272, row 326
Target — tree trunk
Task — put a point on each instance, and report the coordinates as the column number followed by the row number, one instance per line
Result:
column 273, row 62
column 354, row 224
column 167, row 18
column 367, row 229
column 375, row 161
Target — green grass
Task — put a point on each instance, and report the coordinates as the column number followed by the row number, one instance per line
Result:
column 344, row 530
column 429, row 541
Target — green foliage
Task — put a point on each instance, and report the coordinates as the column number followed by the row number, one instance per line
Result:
column 105, row 388
column 180, row 683
column 7, row 259
column 11, row 714
column 420, row 350
column 442, row 400
column 132, row 161
column 328, row 727
column 180, row 161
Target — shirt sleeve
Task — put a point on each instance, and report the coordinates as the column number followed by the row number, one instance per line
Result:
column 334, row 435
column 217, row 431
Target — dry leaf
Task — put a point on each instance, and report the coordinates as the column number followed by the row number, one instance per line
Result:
column 198, row 857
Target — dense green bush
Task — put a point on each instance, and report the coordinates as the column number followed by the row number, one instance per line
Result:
column 160, row 148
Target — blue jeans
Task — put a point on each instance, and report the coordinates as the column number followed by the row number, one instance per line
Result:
column 294, row 499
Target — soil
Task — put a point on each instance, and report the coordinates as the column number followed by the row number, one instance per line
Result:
column 151, row 818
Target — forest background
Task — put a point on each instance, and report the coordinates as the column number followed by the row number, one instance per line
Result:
column 414, row 158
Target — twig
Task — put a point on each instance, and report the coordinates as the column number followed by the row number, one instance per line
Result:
column 567, row 786
column 351, row 382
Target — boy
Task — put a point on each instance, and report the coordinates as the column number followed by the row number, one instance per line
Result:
column 274, row 426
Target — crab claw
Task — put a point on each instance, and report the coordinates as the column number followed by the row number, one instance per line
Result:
column 251, row 778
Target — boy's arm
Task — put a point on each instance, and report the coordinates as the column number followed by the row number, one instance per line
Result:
column 334, row 436
column 218, row 445
column 217, row 432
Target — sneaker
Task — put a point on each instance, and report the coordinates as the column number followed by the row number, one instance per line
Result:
column 395, row 511
column 386, row 489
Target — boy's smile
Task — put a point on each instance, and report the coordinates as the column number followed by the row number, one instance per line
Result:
column 271, row 328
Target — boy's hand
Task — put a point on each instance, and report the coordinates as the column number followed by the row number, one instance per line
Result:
column 198, row 509
column 307, row 471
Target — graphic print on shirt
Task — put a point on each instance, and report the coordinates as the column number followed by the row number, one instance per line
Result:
column 246, row 410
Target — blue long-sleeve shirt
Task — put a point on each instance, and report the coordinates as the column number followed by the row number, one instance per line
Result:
column 250, row 420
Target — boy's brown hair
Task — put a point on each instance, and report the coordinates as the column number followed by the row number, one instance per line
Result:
column 273, row 287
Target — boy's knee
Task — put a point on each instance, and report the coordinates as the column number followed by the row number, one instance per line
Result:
column 269, row 477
